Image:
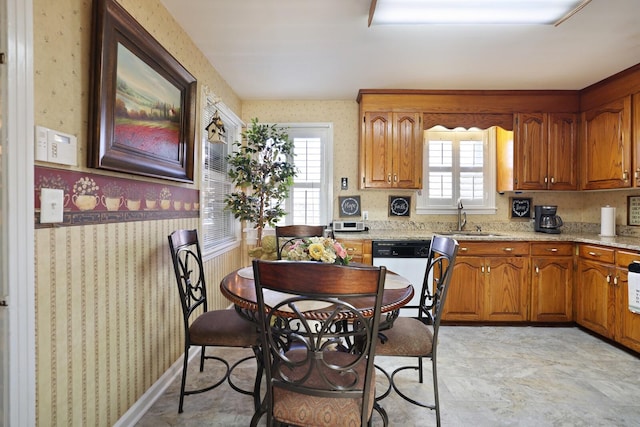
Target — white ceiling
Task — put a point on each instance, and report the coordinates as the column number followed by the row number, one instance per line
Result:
column 323, row 49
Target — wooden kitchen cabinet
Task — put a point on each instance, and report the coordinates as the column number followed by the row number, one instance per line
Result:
column 551, row 281
column 606, row 146
column 490, row 282
column 596, row 272
column 635, row 128
column 360, row 250
column 603, row 294
column 545, row 151
column 391, row 150
column 627, row 323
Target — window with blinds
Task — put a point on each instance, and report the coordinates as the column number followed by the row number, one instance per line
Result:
column 310, row 200
column 458, row 164
column 219, row 227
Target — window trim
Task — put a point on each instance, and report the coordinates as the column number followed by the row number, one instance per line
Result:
column 490, row 208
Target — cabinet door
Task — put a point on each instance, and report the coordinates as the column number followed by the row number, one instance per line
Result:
column 551, row 289
column 563, row 154
column 606, row 146
column 594, row 294
column 464, row 297
column 376, row 150
column 407, row 150
column 636, row 138
column 627, row 323
column 506, row 290
column 530, row 145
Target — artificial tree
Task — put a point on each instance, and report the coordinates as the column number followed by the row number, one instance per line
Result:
column 262, row 170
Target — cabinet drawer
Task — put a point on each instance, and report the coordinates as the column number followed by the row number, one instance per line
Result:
column 624, row 258
column 552, row 248
column 353, row 247
column 596, row 253
column 502, row 248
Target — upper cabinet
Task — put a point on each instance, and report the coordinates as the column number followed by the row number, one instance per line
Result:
column 545, row 151
column 606, row 146
column 391, row 150
column 635, row 129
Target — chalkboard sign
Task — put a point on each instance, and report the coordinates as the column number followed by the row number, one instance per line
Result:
column 349, row 206
column 520, row 207
column 399, row 205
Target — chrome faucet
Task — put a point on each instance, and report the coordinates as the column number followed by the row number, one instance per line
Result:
column 461, row 222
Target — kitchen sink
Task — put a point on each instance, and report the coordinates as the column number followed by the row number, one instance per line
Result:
column 467, row 233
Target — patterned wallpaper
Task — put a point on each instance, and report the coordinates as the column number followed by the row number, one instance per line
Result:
column 107, row 320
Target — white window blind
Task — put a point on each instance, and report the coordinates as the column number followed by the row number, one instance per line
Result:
column 219, row 227
column 458, row 164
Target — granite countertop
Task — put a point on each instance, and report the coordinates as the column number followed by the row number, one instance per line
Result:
column 621, row 242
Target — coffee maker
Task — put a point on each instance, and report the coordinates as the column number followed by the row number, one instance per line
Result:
column 546, row 220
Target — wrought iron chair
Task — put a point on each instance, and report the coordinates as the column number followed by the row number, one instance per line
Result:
column 418, row 337
column 317, row 347
column 286, row 235
column 204, row 328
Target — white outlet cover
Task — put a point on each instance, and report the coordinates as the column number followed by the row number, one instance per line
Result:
column 51, row 205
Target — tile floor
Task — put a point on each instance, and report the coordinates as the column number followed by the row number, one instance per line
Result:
column 489, row 376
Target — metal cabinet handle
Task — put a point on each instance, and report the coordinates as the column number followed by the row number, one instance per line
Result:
column 488, row 269
column 552, row 249
column 594, row 254
column 537, row 270
column 507, row 249
column 482, row 269
column 395, row 178
column 553, row 180
column 615, row 281
column 625, row 175
column 463, row 249
column 608, row 278
column 546, row 179
column 389, row 178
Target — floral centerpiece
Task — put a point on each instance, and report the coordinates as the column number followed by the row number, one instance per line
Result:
column 321, row 249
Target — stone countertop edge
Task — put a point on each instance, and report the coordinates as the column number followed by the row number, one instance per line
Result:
column 621, row 242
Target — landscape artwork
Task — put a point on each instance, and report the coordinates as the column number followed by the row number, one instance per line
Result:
column 147, row 109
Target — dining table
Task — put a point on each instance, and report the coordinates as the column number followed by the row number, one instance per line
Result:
column 239, row 288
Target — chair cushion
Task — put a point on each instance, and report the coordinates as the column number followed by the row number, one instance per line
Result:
column 300, row 409
column 223, row 328
column 407, row 337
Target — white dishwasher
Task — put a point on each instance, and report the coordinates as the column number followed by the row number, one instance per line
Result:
column 407, row 258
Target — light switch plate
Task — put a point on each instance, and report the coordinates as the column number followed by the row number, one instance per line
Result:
column 51, row 205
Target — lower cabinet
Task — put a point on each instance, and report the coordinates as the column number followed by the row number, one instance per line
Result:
column 551, row 281
column 603, row 294
column 360, row 250
column 489, row 282
column 627, row 329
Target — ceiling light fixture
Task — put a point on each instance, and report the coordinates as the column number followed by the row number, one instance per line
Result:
column 546, row 12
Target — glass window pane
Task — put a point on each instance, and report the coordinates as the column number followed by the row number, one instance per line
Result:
column 471, row 154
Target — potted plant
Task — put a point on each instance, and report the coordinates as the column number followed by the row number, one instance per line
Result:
column 263, row 173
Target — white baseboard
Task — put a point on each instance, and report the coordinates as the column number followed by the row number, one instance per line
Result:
column 146, row 401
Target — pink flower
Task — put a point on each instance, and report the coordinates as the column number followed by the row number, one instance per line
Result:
column 337, row 247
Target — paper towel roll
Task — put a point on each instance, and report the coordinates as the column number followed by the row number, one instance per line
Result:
column 607, row 221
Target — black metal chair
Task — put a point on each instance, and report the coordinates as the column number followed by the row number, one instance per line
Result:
column 317, row 347
column 418, row 337
column 204, row 328
column 286, row 235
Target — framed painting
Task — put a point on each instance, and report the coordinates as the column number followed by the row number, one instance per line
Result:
column 143, row 106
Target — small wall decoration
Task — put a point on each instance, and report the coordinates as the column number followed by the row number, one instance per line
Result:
column 349, row 206
column 143, row 106
column 399, row 205
column 633, row 210
column 520, row 207
column 215, row 129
